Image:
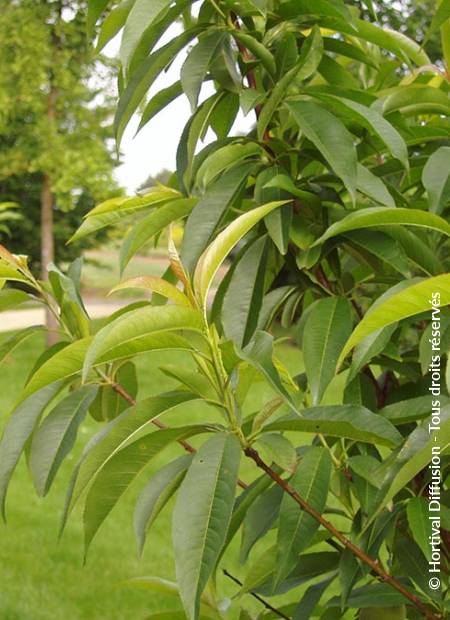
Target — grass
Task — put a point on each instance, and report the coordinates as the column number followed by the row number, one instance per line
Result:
column 45, row 580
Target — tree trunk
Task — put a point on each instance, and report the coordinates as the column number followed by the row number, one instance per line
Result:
column 47, row 250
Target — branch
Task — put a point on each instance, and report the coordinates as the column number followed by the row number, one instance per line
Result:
column 186, row 445
column 375, row 565
column 267, row 605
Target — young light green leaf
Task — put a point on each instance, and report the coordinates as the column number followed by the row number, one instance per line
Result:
column 155, row 285
column 7, row 345
column 56, row 436
column 11, row 298
column 144, row 329
column 436, row 179
column 65, row 363
column 297, row 528
column 410, row 301
column 326, row 332
column 152, row 224
column 121, row 469
column 202, row 515
column 224, row 158
column 17, row 432
column 215, row 254
column 384, row 216
column 115, row 210
column 349, row 421
column 330, row 137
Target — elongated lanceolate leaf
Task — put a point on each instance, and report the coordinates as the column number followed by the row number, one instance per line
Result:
column 56, row 436
column 202, row 515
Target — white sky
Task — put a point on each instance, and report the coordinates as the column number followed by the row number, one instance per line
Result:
column 154, row 148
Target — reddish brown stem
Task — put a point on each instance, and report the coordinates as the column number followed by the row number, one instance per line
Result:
column 375, row 565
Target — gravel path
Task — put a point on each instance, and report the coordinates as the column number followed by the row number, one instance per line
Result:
column 17, row 319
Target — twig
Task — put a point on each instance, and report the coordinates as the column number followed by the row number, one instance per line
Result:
column 375, row 565
column 263, row 602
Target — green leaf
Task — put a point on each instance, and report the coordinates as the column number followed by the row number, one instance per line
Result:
column 155, row 285
column 10, row 298
column 65, row 363
column 95, row 9
column 7, row 345
column 436, row 179
column 243, row 298
column 370, row 347
column 277, row 449
column 202, row 515
column 119, row 471
column 330, row 137
column 208, row 212
column 196, row 65
column 440, row 16
column 349, row 421
column 411, row 409
column 155, row 495
column 415, row 100
column 379, row 595
column 259, row 353
column 114, row 436
column 113, row 24
column 224, row 158
column 195, row 382
column 158, row 102
column 297, row 528
column 152, row 224
column 108, row 403
column 374, row 122
column 278, row 223
column 418, row 513
column 139, row 19
column 144, row 76
column 56, row 436
column 17, row 432
column 259, row 519
column 326, row 331
column 145, row 329
column 407, row 302
column 7, row 272
column 310, row 56
column 383, row 216
column 215, row 254
column 116, row 210
column 415, row 454
column 373, row 187
column 257, row 49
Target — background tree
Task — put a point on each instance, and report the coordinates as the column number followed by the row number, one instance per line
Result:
column 56, row 152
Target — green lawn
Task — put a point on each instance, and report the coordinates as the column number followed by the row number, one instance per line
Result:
column 42, row 579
